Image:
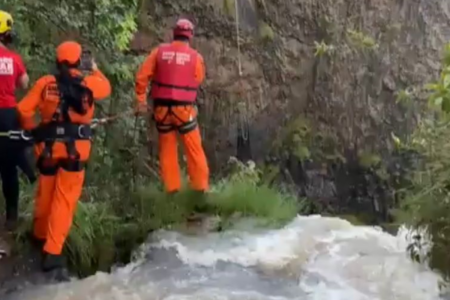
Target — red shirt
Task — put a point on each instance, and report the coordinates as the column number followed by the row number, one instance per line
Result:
column 11, row 69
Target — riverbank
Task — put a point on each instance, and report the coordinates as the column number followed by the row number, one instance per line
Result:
column 106, row 232
column 309, row 257
column 21, row 267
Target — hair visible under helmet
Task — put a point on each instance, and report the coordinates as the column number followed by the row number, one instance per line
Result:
column 75, row 94
column 184, row 29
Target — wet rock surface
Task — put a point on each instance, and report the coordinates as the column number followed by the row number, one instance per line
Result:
column 340, row 65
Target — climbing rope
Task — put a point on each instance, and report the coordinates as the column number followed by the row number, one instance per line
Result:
column 236, row 11
column 26, row 135
column 17, row 135
column 101, row 121
column 261, row 99
column 242, row 112
column 243, row 121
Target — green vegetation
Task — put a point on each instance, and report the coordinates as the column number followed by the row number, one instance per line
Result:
column 303, row 141
column 266, row 32
column 323, row 48
column 369, row 160
column 107, row 231
column 426, row 202
column 122, row 201
column 245, row 191
column 361, row 40
column 115, row 215
column 229, row 7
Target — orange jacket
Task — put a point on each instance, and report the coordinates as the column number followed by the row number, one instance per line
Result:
column 148, row 69
column 42, row 97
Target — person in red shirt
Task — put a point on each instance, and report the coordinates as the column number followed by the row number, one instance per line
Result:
column 176, row 71
column 12, row 75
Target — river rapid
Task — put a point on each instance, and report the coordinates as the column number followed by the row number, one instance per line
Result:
column 311, row 258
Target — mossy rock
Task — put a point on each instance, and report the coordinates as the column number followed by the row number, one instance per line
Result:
column 391, row 228
column 354, row 219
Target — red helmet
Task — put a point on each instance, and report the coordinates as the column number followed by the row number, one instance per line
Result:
column 185, row 28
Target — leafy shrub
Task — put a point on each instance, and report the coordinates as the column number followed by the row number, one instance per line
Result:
column 425, row 204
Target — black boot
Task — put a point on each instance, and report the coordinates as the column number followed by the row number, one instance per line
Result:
column 52, row 262
column 12, row 223
column 10, row 187
column 201, row 205
column 35, row 242
column 55, row 267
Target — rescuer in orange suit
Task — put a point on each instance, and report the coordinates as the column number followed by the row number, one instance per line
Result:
column 176, row 72
column 65, row 102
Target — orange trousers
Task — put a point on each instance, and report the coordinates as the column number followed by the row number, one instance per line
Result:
column 197, row 165
column 55, row 205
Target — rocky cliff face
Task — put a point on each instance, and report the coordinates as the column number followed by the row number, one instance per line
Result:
column 319, row 83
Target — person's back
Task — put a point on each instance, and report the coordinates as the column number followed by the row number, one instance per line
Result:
column 46, row 93
column 65, row 102
column 176, row 71
column 176, row 66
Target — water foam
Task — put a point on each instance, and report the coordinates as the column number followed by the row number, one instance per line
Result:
column 312, row 258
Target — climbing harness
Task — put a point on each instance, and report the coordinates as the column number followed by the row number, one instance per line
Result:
column 17, row 135
column 67, row 133
column 184, row 128
column 26, row 135
column 64, row 132
column 61, row 129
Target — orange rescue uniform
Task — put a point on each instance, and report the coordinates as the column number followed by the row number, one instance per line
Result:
column 58, row 191
column 175, row 110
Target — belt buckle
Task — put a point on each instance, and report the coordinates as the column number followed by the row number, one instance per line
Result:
column 60, row 130
column 80, row 131
column 25, row 135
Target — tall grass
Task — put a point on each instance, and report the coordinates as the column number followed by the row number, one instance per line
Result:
column 425, row 203
column 105, row 231
column 260, row 201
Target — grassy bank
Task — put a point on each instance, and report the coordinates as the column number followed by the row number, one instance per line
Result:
column 106, row 230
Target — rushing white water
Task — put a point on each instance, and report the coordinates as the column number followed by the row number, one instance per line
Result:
column 312, row 258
